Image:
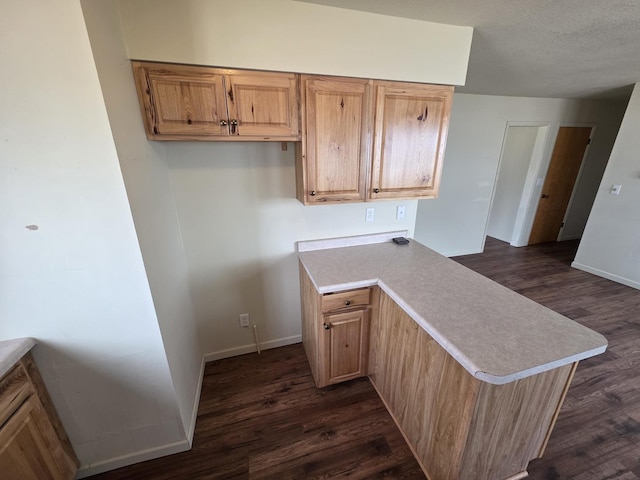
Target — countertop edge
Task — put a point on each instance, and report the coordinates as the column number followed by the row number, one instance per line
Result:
column 450, row 348
column 11, row 351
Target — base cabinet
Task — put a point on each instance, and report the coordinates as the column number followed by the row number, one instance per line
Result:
column 33, row 445
column 335, row 332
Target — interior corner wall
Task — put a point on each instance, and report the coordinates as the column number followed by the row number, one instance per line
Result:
column 240, row 222
column 72, row 275
column 610, row 246
column 146, row 176
column 292, row 36
column 455, row 222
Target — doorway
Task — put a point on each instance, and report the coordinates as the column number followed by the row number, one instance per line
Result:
column 566, row 161
column 522, row 155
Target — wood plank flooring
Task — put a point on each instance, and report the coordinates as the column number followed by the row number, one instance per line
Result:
column 260, row 417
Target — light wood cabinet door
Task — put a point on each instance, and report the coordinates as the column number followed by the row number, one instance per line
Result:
column 183, row 102
column 411, row 124
column 335, row 150
column 263, row 104
column 180, row 101
column 344, row 345
column 27, row 441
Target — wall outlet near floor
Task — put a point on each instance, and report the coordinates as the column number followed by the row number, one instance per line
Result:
column 370, row 214
column 400, row 211
column 244, row 320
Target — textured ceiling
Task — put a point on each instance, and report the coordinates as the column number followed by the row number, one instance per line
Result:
column 536, row 48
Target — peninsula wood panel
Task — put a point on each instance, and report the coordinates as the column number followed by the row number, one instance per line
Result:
column 411, row 125
column 458, row 426
column 310, row 303
column 335, row 150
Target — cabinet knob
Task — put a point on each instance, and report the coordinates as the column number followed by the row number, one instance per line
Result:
column 326, row 326
column 313, row 193
column 234, row 124
column 544, row 195
column 347, row 302
column 376, row 190
column 223, row 123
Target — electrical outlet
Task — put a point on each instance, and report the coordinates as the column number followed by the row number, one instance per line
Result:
column 370, row 214
column 615, row 189
column 400, row 212
column 244, row 320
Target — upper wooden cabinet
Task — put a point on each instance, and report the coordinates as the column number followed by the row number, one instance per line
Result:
column 411, row 124
column 335, row 150
column 370, row 140
column 181, row 102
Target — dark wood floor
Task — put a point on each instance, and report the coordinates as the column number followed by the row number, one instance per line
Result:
column 260, row 417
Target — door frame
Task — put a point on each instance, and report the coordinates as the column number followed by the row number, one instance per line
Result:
column 561, row 236
column 538, row 159
column 536, row 177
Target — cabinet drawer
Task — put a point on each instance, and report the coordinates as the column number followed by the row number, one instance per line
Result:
column 342, row 300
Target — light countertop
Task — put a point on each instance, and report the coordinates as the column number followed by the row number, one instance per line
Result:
column 496, row 334
column 11, row 351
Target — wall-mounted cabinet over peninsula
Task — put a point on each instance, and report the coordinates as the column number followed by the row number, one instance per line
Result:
column 370, row 140
column 357, row 139
column 182, row 102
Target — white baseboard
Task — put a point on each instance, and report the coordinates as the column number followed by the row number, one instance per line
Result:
column 461, row 253
column 609, row 276
column 234, row 352
column 130, row 459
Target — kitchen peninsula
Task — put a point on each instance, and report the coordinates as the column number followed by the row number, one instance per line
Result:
column 473, row 373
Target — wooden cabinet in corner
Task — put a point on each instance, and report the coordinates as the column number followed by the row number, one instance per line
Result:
column 33, row 444
column 183, row 102
column 365, row 140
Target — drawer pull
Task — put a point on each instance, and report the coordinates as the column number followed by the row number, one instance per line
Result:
column 347, row 302
column 326, row 326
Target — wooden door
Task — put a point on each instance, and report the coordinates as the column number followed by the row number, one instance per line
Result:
column 179, row 100
column 27, row 441
column 263, row 104
column 409, row 139
column 566, row 159
column 337, row 119
column 344, row 345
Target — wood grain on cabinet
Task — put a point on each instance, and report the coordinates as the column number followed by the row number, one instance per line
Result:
column 458, row 426
column 33, row 444
column 409, row 139
column 335, row 332
column 185, row 102
column 333, row 158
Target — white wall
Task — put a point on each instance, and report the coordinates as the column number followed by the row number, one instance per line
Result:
column 71, row 272
column 240, row 221
column 610, row 246
column 287, row 35
column 146, row 175
column 455, row 222
column 514, row 165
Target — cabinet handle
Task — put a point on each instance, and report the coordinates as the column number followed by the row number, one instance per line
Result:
column 347, row 302
column 313, row 193
column 326, row 326
column 234, row 124
column 223, row 123
column 376, row 190
column 544, row 195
